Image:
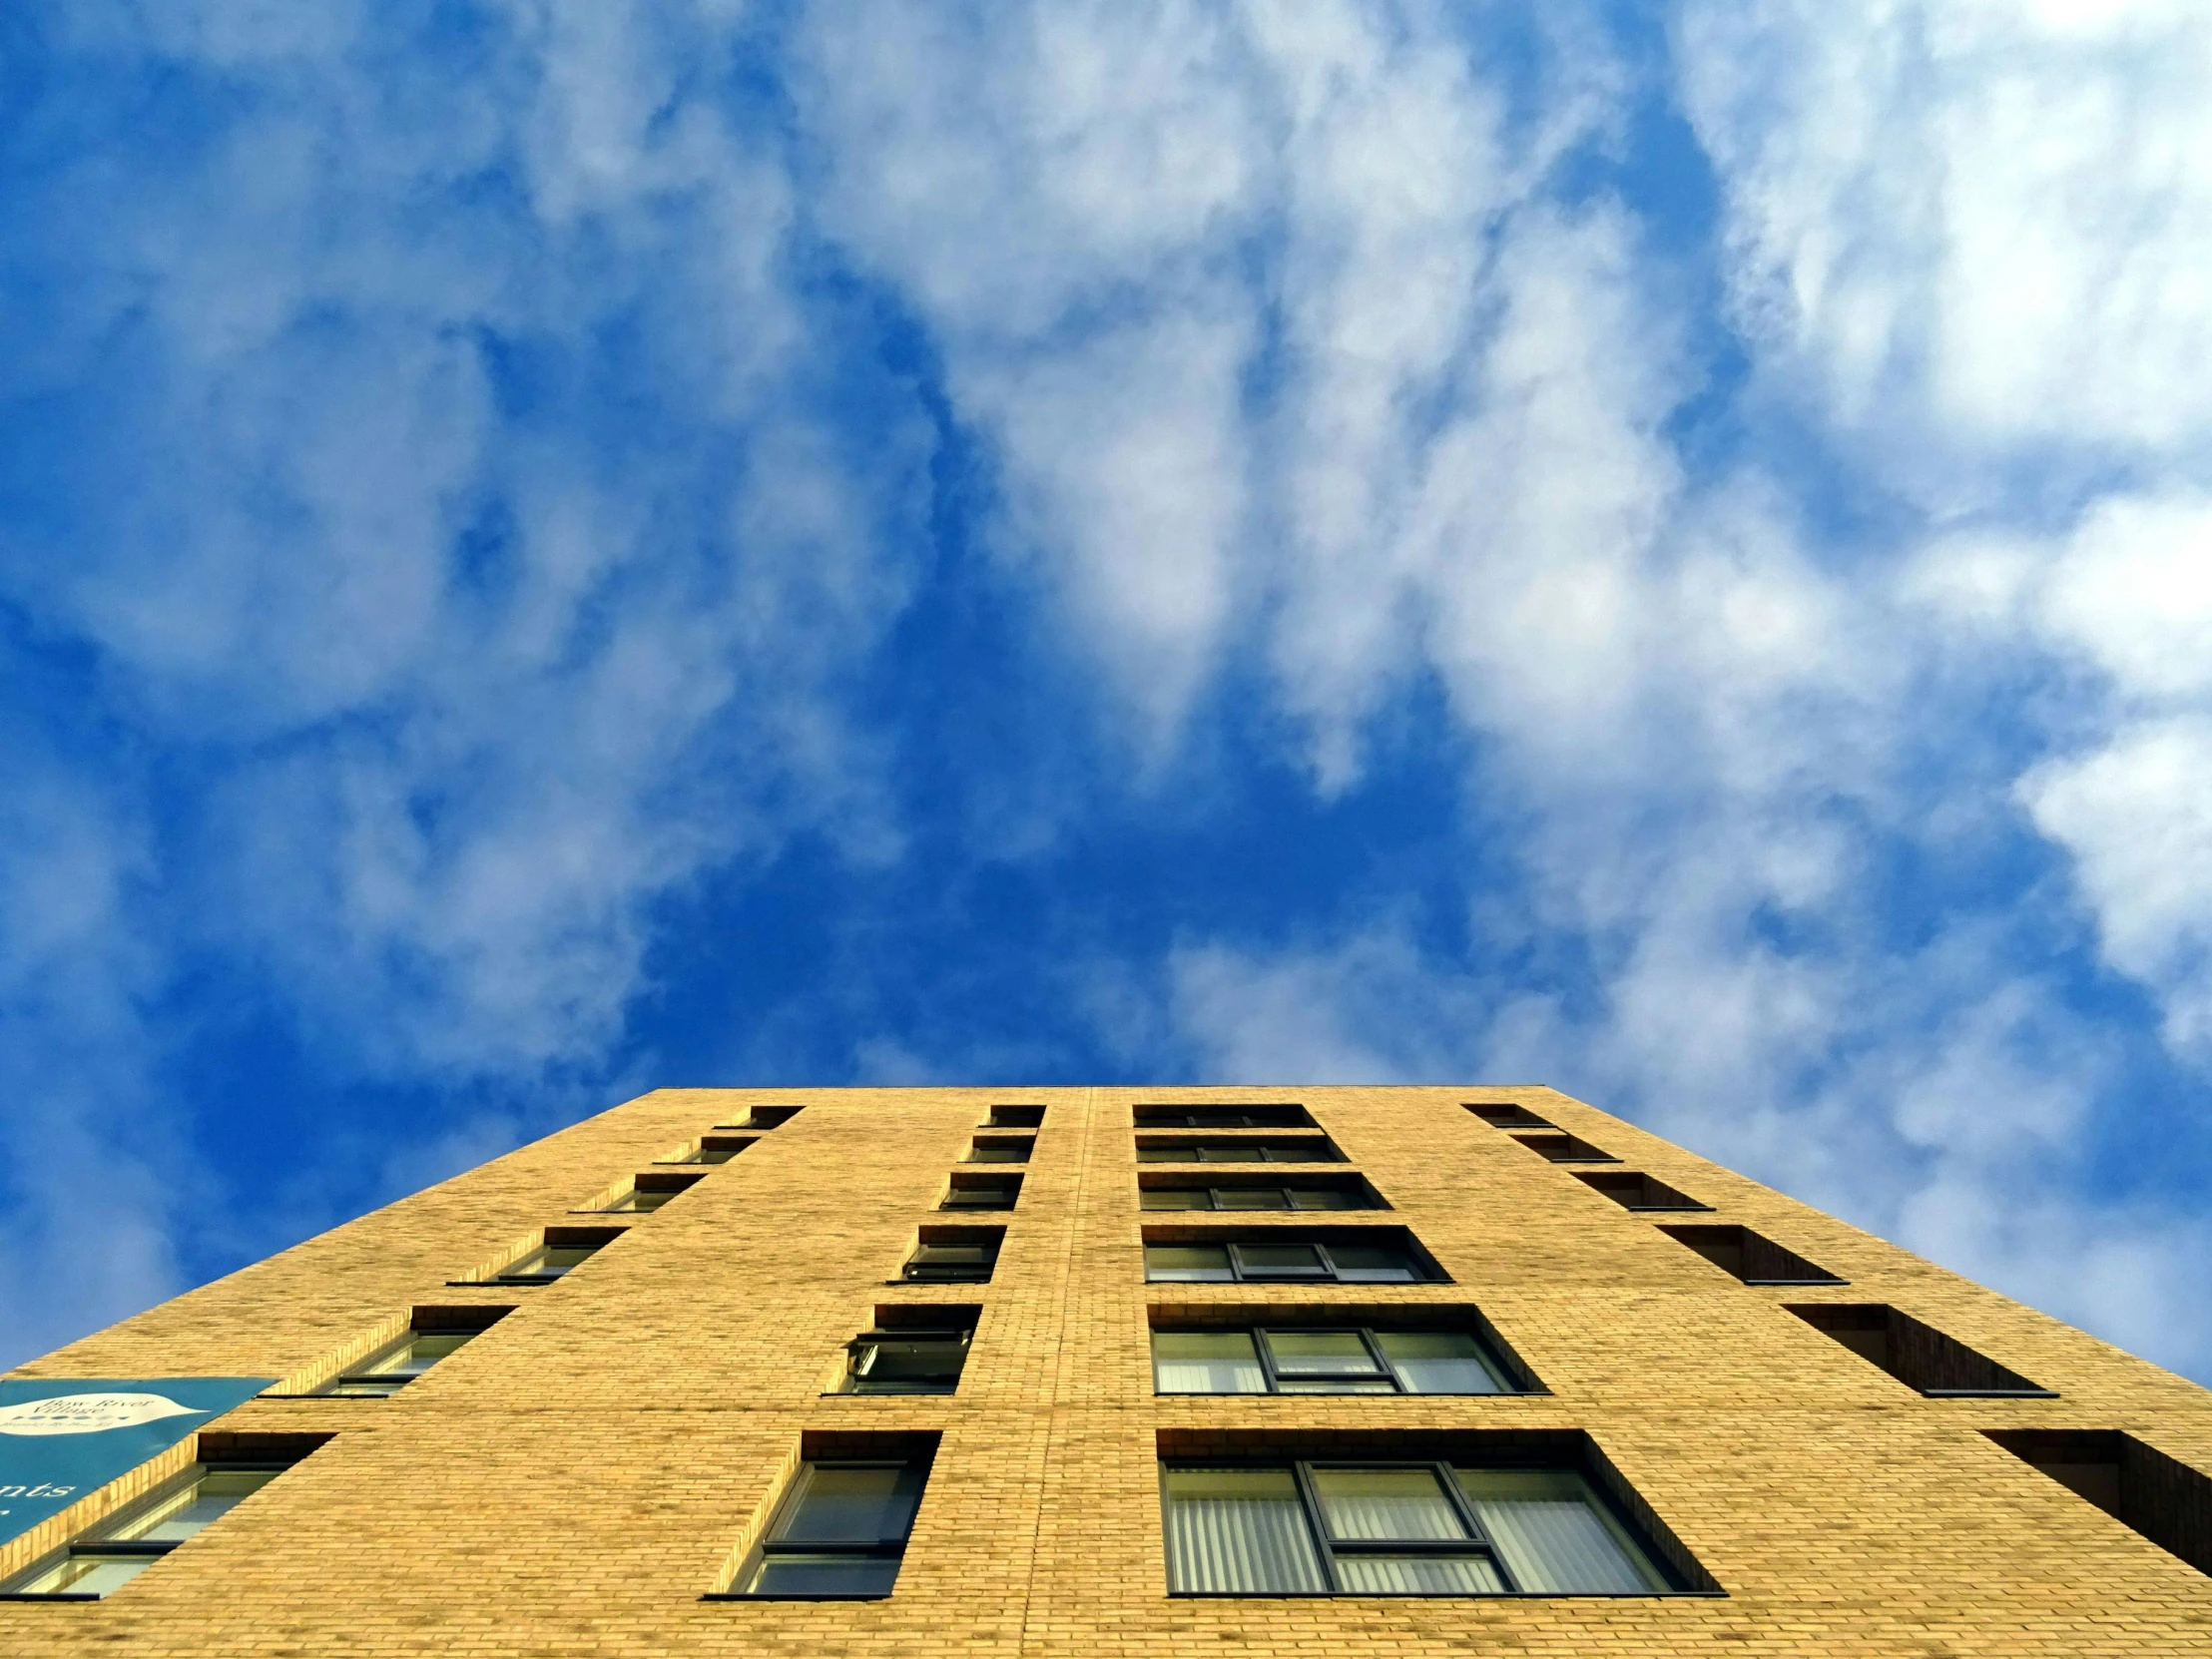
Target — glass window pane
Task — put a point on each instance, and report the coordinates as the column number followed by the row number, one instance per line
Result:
column 1385, row 1503
column 1441, row 1362
column 1233, row 1531
column 1163, row 1155
column 1418, row 1575
column 93, row 1575
column 848, row 1504
column 1229, row 1153
column 416, row 1355
column 716, row 1155
column 1250, row 1197
column 1371, row 1265
column 909, row 1365
column 1324, row 1198
column 199, row 1501
column 1553, row 1533
column 1303, row 1353
column 1283, row 1260
column 1177, row 1198
column 824, row 1575
column 999, row 1155
column 1206, row 1264
column 1206, row 1363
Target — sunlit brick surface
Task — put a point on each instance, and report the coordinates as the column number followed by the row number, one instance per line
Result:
column 577, row 1478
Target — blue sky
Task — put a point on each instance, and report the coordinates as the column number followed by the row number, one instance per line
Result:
column 553, row 549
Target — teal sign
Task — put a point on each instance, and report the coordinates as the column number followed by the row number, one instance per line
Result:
column 63, row 1437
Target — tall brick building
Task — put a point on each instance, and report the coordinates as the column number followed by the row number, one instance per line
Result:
column 1110, row 1371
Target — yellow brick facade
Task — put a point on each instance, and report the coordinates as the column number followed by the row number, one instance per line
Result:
column 575, row 1480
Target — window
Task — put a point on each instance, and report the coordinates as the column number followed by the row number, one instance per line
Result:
column 649, row 1192
column 2166, row 1502
column 1565, row 1149
column 981, row 1192
column 914, row 1351
column 1222, row 1117
column 954, row 1255
column 711, row 1149
column 1916, row 1354
column 1632, row 1189
column 564, row 1251
column 1015, row 1116
column 839, row 1533
column 112, row 1551
column 1749, row 1257
column 386, row 1371
column 1397, row 1529
column 1313, row 1149
column 1304, row 1195
column 767, row 1117
column 1507, row 1114
column 1375, row 1258
column 1273, row 1360
column 1001, row 1149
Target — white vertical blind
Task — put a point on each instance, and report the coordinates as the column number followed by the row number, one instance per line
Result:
column 1553, row 1534
column 1239, row 1530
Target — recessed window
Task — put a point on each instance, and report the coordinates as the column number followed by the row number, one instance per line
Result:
column 1373, row 1257
column 711, row 1149
column 1632, row 1189
column 1916, row 1354
column 1310, row 1149
column 1222, row 1117
column 1751, row 1257
column 1015, row 1116
column 769, row 1117
column 106, row 1555
column 1275, row 1360
column 1311, row 1528
column 436, row 1334
column 912, row 1350
column 1001, row 1149
column 649, row 1192
column 1563, row 1148
column 1506, row 1114
column 2157, row 1496
column 1323, row 1194
column 564, row 1250
column 981, row 1192
column 954, row 1255
column 838, row 1535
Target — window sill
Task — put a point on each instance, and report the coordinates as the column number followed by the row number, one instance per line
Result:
column 54, row 1595
column 739, row 1595
column 1990, row 1393
column 1479, row 1595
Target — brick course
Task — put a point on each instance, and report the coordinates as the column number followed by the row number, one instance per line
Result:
column 574, row 1481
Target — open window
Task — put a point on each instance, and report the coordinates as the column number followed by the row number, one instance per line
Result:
column 1506, row 1114
column 911, row 1350
column 1632, row 1189
column 841, row 1529
column 1562, row 1148
column 433, row 1334
column 651, row 1191
column 1751, row 1257
column 113, row 1550
column 1001, row 1149
column 562, row 1251
column 711, row 1149
column 970, row 1191
column 2157, row 1496
column 759, row 1119
column 1916, row 1354
column 1015, row 1116
column 1282, row 1116
column 955, row 1255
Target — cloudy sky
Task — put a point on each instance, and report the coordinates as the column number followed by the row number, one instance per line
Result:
column 550, row 548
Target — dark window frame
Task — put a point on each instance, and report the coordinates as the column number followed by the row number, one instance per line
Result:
column 1015, row 1117
column 867, row 1341
column 1279, row 1115
column 1367, row 1334
column 990, row 1240
column 1364, row 1196
column 1426, row 1271
column 1025, row 1145
column 775, row 1543
column 1007, row 1186
column 1477, row 1545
